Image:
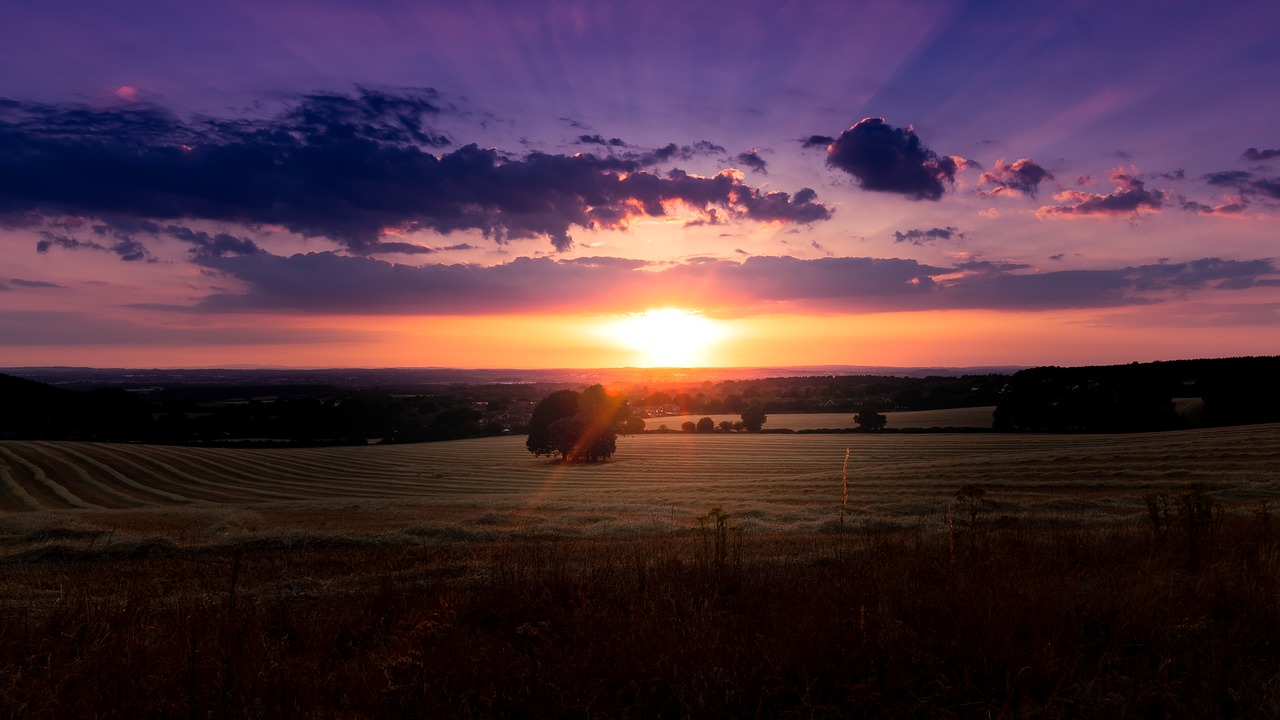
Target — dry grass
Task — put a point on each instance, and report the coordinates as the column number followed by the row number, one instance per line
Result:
column 1069, row 622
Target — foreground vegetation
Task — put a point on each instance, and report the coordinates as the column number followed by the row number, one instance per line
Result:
column 993, row 619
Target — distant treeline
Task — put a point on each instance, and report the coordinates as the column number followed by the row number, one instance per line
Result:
column 1140, row 397
column 1115, row 398
column 309, row 415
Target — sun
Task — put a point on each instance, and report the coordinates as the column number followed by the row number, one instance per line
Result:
column 667, row 337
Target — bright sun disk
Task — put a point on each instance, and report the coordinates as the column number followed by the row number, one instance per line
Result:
column 667, row 337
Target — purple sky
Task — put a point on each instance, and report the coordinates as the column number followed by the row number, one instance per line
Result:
column 183, row 175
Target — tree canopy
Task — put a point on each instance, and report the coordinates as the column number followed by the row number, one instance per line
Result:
column 870, row 420
column 753, row 417
column 579, row 427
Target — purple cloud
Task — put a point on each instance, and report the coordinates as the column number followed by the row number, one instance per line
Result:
column 922, row 237
column 1128, row 199
column 351, row 169
column 332, row 283
column 34, row 283
column 1022, row 176
column 1247, row 183
column 893, row 160
column 599, row 140
column 814, row 141
column 752, row 159
column 1257, row 155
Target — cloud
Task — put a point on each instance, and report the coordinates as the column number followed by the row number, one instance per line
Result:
column 1129, row 198
column 893, row 160
column 213, row 245
column 922, row 237
column 813, row 141
column 329, row 282
column 1247, row 183
column 1257, row 155
column 752, row 159
column 1022, row 176
column 1234, row 205
column 347, row 168
column 34, row 283
column 32, row 327
column 599, row 140
column 127, row 249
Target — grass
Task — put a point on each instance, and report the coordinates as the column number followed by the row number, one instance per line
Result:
column 1038, row 577
column 1112, row 621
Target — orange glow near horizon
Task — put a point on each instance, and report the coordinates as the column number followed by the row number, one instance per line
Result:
column 667, row 337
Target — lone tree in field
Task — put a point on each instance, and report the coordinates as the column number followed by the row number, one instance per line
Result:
column 868, row 420
column 578, row 427
column 753, row 417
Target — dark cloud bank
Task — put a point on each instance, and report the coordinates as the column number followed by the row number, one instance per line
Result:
column 343, row 167
column 332, row 283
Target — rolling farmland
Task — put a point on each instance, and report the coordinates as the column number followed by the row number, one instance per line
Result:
column 488, row 487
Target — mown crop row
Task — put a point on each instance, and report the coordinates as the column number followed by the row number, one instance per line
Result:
column 774, row 481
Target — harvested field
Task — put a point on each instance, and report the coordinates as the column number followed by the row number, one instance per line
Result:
column 971, row 417
column 492, row 487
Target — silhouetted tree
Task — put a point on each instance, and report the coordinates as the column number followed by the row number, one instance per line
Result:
column 578, row 427
column 688, row 426
column 753, row 417
column 868, row 420
column 556, row 406
column 706, row 425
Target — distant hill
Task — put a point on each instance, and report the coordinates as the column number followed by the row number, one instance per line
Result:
column 33, row 410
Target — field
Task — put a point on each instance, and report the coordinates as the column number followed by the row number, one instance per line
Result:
column 487, row 487
column 1095, row 576
column 971, row 417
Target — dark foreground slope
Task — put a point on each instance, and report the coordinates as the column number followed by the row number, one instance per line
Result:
column 985, row 620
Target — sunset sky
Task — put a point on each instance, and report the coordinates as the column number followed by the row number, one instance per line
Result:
column 604, row 184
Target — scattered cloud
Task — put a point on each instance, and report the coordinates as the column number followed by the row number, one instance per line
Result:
column 1234, row 205
column 34, row 283
column 599, row 140
column 817, row 141
column 1246, row 183
column 923, row 237
column 752, row 159
column 1129, row 199
column 1022, row 176
column 893, row 160
column 1257, row 155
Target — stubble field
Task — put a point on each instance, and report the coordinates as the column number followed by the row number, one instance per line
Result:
column 485, row 488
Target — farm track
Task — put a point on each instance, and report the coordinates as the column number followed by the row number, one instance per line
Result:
column 791, row 477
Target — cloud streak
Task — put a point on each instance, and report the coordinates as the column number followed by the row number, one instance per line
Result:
column 331, row 283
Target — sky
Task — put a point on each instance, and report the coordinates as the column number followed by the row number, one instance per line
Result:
column 494, row 183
